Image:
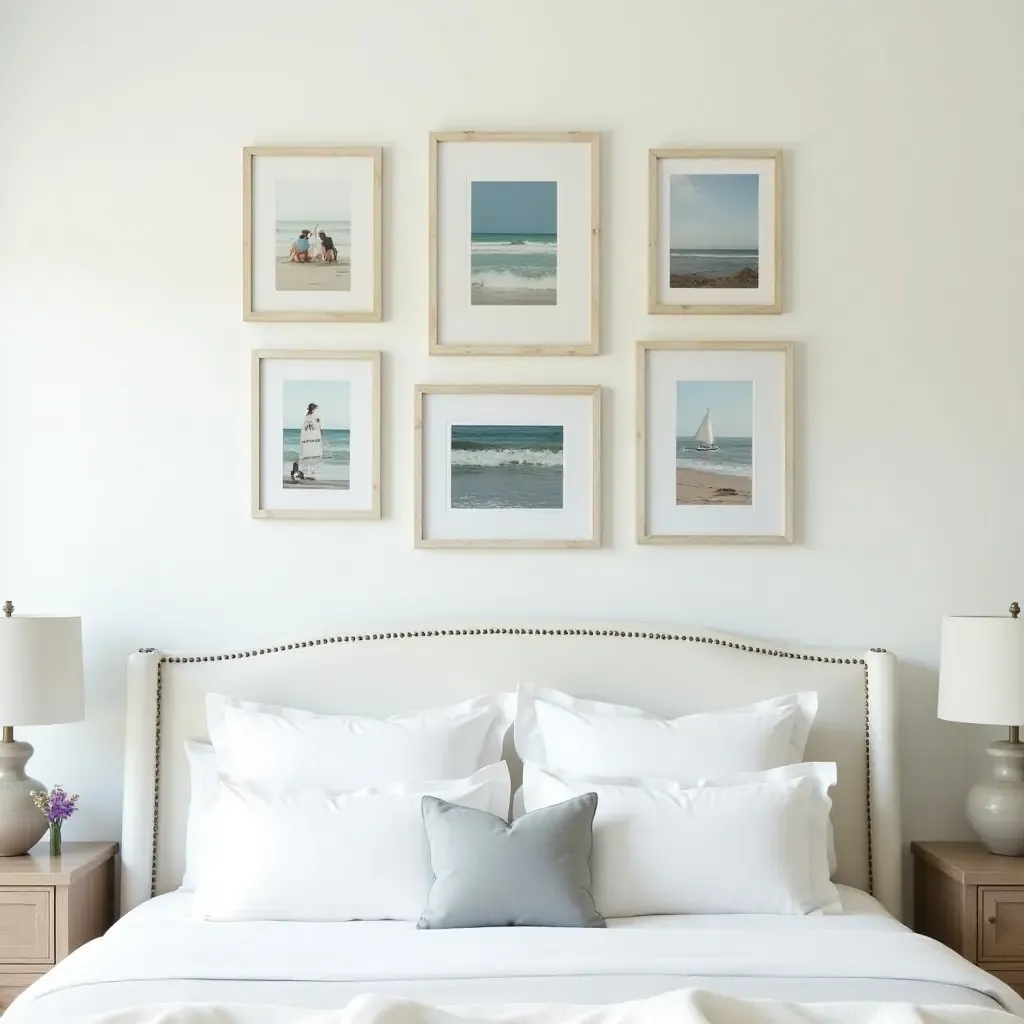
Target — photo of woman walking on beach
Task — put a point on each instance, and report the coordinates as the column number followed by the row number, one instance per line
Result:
column 312, row 444
column 316, row 439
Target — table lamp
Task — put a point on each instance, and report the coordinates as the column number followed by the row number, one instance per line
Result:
column 40, row 684
column 981, row 680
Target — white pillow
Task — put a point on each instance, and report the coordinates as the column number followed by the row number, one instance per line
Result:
column 202, row 768
column 307, row 854
column 789, row 771
column 586, row 737
column 661, row 848
column 285, row 746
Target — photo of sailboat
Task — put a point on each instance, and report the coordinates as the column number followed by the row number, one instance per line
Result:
column 714, row 468
column 705, row 436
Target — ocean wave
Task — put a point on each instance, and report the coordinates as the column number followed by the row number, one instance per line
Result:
column 510, row 248
column 506, row 457
column 738, row 256
column 511, row 279
column 710, row 466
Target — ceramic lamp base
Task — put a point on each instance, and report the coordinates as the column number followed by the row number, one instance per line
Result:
column 995, row 808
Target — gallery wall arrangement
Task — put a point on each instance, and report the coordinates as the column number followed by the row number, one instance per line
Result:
column 514, row 258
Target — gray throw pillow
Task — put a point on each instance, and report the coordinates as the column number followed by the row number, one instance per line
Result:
column 488, row 873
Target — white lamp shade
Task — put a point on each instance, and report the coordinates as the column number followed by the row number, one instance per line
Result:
column 40, row 670
column 981, row 673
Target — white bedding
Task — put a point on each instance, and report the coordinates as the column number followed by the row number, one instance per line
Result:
column 160, row 953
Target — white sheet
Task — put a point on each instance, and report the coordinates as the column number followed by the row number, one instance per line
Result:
column 161, row 953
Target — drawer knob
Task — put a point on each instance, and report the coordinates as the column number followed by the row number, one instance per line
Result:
column 992, row 919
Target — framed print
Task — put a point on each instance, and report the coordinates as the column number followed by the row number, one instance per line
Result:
column 311, row 236
column 315, row 435
column 508, row 466
column 514, row 242
column 715, row 241
column 715, row 433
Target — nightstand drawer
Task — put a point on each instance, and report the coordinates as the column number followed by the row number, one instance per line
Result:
column 1001, row 924
column 26, row 925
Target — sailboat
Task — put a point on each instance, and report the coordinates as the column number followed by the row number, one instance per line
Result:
column 705, row 435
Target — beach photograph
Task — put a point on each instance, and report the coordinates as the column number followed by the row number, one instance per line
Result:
column 313, row 235
column 714, row 442
column 713, row 230
column 506, row 466
column 316, row 453
column 513, row 243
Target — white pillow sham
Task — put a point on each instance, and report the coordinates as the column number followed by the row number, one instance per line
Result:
column 307, row 854
column 789, row 771
column 662, row 848
column 281, row 746
column 593, row 738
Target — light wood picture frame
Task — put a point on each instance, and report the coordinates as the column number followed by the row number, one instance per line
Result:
column 715, row 231
column 515, row 229
column 312, row 239
column 507, row 466
column 714, row 442
column 316, row 434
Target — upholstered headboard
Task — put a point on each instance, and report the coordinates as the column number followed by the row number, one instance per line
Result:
column 666, row 670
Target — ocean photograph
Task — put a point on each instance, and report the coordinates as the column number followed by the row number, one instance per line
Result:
column 713, row 231
column 714, row 442
column 506, row 466
column 315, row 442
column 313, row 236
column 514, row 243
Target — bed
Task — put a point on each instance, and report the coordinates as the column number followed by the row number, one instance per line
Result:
column 159, row 954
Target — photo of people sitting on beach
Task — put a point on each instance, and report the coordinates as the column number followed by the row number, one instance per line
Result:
column 713, row 231
column 714, row 442
column 514, row 243
column 313, row 236
column 506, row 466
column 316, row 454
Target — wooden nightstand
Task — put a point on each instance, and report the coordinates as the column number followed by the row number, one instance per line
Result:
column 48, row 907
column 972, row 901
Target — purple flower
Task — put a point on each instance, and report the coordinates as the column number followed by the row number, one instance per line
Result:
column 58, row 805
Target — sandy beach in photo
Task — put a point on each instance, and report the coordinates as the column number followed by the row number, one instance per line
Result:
column 315, row 485
column 314, row 277
column 697, row 487
column 745, row 278
column 483, row 296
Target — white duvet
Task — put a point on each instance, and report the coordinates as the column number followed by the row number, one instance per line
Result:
column 159, row 957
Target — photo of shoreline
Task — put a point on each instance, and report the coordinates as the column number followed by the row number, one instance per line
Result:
column 513, row 243
column 713, row 231
column 312, row 236
column 506, row 466
column 714, row 442
column 316, row 436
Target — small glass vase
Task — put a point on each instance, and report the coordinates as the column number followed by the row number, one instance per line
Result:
column 55, row 841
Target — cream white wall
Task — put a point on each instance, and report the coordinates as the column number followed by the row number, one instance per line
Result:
column 124, row 436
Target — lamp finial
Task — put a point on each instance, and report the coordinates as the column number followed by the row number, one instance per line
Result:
column 8, row 609
column 1014, row 610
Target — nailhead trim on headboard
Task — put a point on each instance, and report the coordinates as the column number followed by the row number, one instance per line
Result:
column 492, row 631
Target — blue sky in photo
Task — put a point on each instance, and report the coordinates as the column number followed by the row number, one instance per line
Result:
column 731, row 403
column 713, row 211
column 514, row 207
column 332, row 396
